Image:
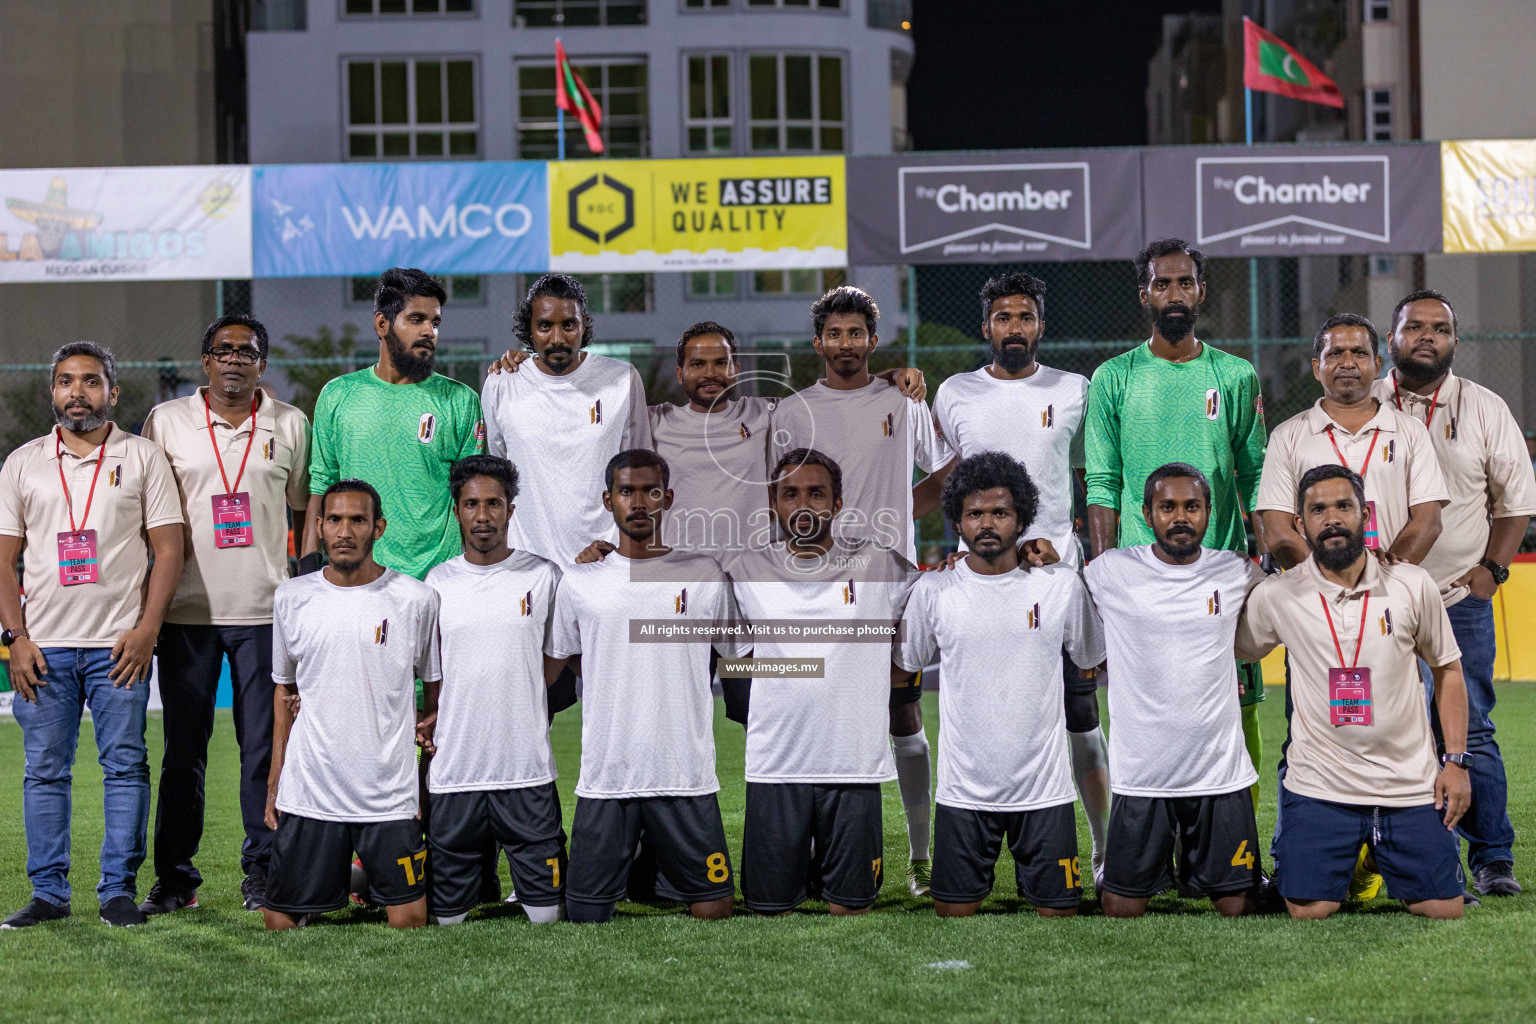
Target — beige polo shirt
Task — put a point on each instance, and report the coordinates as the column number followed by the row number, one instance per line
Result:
column 135, row 493
column 1402, row 471
column 1482, row 455
column 1390, row 763
column 233, row 586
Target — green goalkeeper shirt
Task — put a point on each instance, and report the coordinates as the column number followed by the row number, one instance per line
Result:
column 1144, row 412
column 402, row 439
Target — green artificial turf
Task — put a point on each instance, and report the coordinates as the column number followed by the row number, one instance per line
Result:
column 899, row 963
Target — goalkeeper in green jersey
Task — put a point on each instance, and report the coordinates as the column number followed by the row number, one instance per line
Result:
column 1175, row 399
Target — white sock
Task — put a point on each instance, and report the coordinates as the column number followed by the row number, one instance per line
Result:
column 450, row 918
column 914, row 777
column 545, row 915
column 1090, row 773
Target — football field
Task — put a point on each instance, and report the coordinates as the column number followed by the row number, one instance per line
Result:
column 899, row 963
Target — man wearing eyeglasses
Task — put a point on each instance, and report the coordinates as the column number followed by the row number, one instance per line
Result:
column 241, row 461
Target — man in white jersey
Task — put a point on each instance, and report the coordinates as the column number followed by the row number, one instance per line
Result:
column 1182, row 771
column 351, row 640
column 492, row 773
column 647, row 724
column 1000, row 627
column 816, row 746
column 561, row 421
column 1035, row 414
column 877, row 438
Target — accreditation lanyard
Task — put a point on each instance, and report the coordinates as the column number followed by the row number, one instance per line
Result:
column 232, row 526
column 78, row 558
column 1349, row 689
column 1397, row 396
column 1372, row 531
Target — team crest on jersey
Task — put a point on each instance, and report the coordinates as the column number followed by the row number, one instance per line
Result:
column 428, row 428
column 269, row 450
column 745, row 431
column 381, row 632
column 680, row 602
column 1032, row 618
column 525, row 604
column 1450, row 428
column 888, row 425
column 1212, row 403
column 115, row 476
column 1385, row 622
column 595, row 413
column 848, row 595
column 1213, row 603
column 1048, row 417
column 1389, row 453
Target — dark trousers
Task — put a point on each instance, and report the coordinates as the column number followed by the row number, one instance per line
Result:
column 189, row 659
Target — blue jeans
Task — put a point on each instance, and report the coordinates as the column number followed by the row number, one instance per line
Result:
column 1486, row 827
column 76, row 677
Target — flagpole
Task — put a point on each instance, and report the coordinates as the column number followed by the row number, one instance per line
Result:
column 1253, row 262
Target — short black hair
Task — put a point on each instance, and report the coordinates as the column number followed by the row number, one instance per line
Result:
column 495, row 467
column 354, row 487
column 551, row 286
column 1344, row 320
column 399, row 285
column 700, row 329
column 1014, row 282
column 984, row 471
column 845, row 299
column 806, row 457
column 100, row 353
column 1174, row 471
column 238, row 320
column 1424, row 293
column 1329, row 471
column 1166, row 247
column 636, row 458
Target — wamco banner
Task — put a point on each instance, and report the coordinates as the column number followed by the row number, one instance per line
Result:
column 1489, row 195
column 1295, row 200
column 688, row 214
column 125, row 224
column 1003, row 207
column 322, row 220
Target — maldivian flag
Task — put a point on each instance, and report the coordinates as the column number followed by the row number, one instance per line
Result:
column 571, row 95
column 1272, row 65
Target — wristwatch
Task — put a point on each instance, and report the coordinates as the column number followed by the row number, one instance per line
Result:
column 10, row 636
column 1462, row 760
column 1500, row 573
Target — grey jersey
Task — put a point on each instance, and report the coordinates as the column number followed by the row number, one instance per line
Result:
column 719, row 464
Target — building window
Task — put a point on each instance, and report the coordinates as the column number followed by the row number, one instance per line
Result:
column 706, row 5
column 367, row 8
column 792, row 5
column 796, row 102
column 1378, row 115
column 1377, row 10
column 797, row 281
column 619, row 86
column 577, row 13
column 462, row 289
column 709, row 103
column 421, row 108
column 712, row 284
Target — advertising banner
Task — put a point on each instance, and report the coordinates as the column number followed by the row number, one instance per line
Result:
column 1295, row 200
column 1005, row 207
column 324, row 220
column 724, row 214
column 1489, row 197
column 125, row 224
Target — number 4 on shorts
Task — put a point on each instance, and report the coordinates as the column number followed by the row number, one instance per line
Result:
column 1243, row 858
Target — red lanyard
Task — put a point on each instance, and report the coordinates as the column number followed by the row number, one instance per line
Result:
column 1366, row 466
column 1397, row 397
column 1364, row 607
column 208, row 415
column 101, row 457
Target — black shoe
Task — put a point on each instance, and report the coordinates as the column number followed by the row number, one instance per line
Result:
column 39, row 911
column 163, row 900
column 253, row 889
column 1469, row 899
column 119, row 912
column 1496, row 879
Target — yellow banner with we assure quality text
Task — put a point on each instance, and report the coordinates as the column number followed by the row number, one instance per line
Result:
column 1488, row 193
column 650, row 215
